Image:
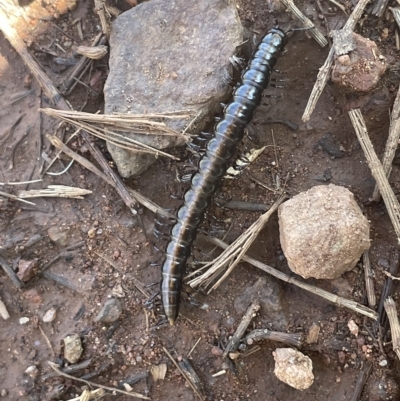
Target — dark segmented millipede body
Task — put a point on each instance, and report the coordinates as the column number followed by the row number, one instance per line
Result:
column 213, row 165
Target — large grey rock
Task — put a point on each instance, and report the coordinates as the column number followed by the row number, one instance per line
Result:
column 268, row 293
column 168, row 56
column 323, row 232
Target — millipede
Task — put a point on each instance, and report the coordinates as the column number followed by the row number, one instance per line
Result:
column 219, row 151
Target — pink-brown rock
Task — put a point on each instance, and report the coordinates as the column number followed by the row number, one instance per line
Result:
column 26, row 269
column 323, row 232
column 362, row 67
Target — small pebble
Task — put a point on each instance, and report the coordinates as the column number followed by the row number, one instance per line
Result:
column 383, row 362
column 24, row 320
column 72, row 348
column 92, row 233
column 50, row 315
column 353, row 327
column 26, row 269
column 216, row 351
column 110, row 312
column 32, row 371
column 3, row 393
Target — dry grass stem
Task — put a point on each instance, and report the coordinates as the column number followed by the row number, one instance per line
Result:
column 305, row 22
column 391, row 143
column 94, row 53
column 233, row 343
column 99, row 8
column 136, row 124
column 91, row 167
column 391, row 312
column 91, row 384
column 352, row 305
column 183, row 374
column 369, row 282
column 391, row 202
column 20, row 182
column 233, row 254
column 55, row 191
column 324, row 71
column 11, row 196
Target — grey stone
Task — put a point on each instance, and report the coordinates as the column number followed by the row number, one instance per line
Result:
column 72, row 348
column 110, row 312
column 168, row 56
column 293, row 368
column 60, row 238
column 323, row 232
column 268, row 293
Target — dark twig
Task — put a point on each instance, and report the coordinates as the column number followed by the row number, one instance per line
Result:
column 361, row 380
column 388, row 287
column 264, row 334
column 244, row 324
column 60, row 280
column 10, row 273
column 183, row 374
column 187, row 367
column 64, row 33
column 69, row 369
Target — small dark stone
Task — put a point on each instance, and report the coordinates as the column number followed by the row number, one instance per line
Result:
column 110, row 312
column 327, row 143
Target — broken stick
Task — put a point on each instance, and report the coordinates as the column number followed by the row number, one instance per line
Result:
column 244, row 324
column 391, row 144
column 391, row 311
column 323, row 74
column 391, row 202
column 347, row 303
column 265, row 334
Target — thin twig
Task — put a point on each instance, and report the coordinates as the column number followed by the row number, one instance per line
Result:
column 10, row 273
column 194, row 346
column 21, row 182
column 305, row 22
column 183, row 374
column 89, row 383
column 323, row 74
column 391, row 202
column 47, row 340
column 352, row 305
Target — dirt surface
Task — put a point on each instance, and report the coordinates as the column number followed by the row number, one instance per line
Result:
column 115, row 256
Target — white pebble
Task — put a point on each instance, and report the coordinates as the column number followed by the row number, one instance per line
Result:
column 50, row 315
column 24, row 320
